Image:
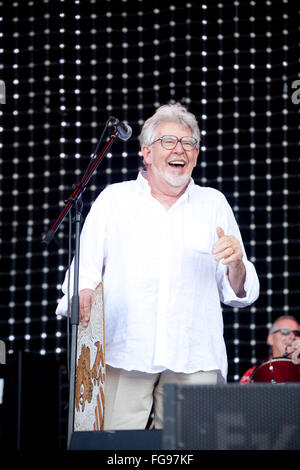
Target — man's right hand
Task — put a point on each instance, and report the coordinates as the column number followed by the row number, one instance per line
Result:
column 85, row 305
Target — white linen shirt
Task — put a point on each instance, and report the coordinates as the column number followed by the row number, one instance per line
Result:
column 162, row 285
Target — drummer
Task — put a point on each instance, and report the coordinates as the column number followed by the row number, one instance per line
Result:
column 284, row 341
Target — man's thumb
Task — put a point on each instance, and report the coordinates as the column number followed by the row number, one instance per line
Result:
column 220, row 232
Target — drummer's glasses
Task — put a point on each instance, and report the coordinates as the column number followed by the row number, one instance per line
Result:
column 287, row 331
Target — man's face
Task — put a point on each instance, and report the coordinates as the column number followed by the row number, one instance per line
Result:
column 170, row 167
column 280, row 342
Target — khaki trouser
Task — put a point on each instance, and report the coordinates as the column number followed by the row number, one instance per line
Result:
column 129, row 395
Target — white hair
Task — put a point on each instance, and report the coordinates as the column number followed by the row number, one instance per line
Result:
column 169, row 113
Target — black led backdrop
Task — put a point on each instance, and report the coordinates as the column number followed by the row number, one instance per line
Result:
column 68, row 65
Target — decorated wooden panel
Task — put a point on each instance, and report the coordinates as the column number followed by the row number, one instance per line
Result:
column 90, row 369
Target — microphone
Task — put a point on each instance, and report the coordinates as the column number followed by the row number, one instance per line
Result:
column 124, row 130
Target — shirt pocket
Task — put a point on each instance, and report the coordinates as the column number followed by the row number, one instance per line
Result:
column 197, row 235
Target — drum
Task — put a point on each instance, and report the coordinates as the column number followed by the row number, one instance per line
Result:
column 277, row 370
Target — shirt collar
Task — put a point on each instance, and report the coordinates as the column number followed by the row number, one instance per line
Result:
column 144, row 187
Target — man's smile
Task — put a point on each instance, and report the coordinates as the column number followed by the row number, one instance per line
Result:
column 177, row 163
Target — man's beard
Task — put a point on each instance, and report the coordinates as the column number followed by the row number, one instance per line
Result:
column 173, row 180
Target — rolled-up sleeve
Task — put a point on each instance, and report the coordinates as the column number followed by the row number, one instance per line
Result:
column 251, row 286
column 92, row 254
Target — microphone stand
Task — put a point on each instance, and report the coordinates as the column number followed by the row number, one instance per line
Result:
column 75, row 200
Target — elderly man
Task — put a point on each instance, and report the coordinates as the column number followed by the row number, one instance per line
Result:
column 168, row 251
column 284, row 341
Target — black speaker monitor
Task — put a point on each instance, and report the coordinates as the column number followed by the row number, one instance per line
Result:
column 232, row 417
